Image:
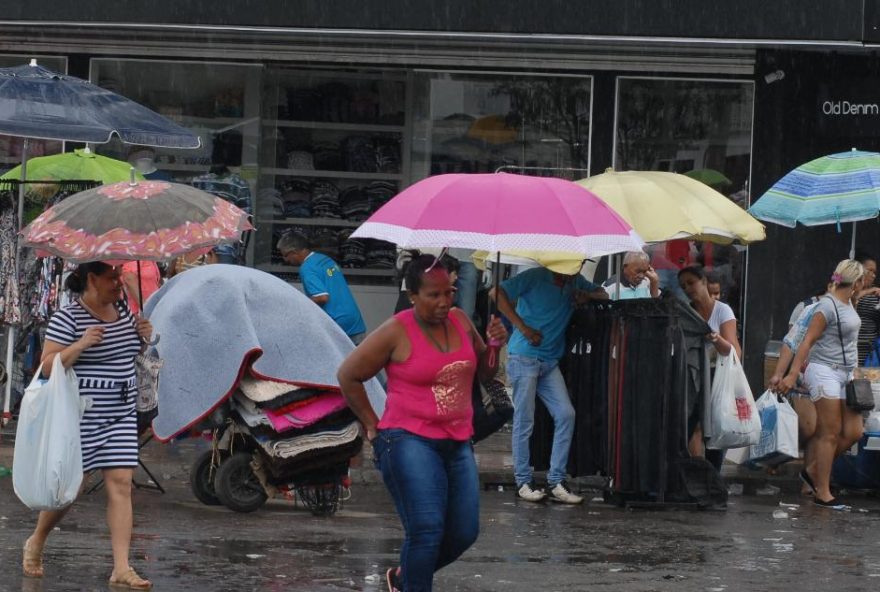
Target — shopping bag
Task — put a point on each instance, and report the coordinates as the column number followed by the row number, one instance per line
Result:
column 47, row 468
column 733, row 420
column 779, row 432
column 147, row 366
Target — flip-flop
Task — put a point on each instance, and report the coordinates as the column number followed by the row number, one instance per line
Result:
column 392, row 579
column 807, row 480
column 31, row 561
column 832, row 504
column 130, row 580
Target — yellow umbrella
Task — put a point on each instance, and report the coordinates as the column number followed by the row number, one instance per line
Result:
column 558, row 261
column 666, row 206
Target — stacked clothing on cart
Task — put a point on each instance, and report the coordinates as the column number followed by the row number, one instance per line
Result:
column 635, row 370
column 380, row 254
column 298, row 429
column 353, row 251
column 325, row 200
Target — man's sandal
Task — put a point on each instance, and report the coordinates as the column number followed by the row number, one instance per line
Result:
column 131, row 580
column 31, row 561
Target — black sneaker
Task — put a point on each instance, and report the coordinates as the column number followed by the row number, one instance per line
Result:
column 393, row 580
column 563, row 494
column 833, row 504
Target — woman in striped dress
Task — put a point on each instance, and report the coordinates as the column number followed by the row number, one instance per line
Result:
column 99, row 339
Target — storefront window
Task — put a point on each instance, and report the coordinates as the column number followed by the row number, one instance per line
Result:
column 10, row 146
column 219, row 102
column 334, row 151
column 701, row 128
column 480, row 123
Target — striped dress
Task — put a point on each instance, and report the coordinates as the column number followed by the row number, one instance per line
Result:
column 107, row 378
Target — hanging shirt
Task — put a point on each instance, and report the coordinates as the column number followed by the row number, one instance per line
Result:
column 545, row 306
column 322, row 277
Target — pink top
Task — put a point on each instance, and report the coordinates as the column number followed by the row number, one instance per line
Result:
column 429, row 394
column 151, row 279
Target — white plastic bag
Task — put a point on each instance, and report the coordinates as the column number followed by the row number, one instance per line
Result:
column 47, row 468
column 779, row 432
column 732, row 418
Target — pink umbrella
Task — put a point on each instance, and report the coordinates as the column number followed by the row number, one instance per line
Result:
column 501, row 212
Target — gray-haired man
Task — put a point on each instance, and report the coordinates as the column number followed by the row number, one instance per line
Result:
column 638, row 280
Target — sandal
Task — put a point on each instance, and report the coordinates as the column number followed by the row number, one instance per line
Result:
column 131, row 580
column 31, row 561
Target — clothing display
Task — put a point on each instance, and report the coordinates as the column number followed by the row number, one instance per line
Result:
column 380, row 254
column 636, row 370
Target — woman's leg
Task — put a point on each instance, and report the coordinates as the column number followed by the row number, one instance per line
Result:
column 852, row 431
column 119, row 515
column 823, row 446
column 415, row 473
column 32, row 562
column 463, row 505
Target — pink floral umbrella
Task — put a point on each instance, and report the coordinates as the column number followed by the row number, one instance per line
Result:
column 131, row 221
column 501, row 212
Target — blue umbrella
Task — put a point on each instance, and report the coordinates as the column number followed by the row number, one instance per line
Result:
column 39, row 103
column 843, row 187
column 42, row 104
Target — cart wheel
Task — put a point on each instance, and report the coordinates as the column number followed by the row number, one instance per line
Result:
column 201, row 478
column 236, row 485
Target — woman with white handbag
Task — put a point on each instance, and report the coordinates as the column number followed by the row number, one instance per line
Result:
column 99, row 339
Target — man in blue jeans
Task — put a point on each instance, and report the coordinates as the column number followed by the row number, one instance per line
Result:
column 539, row 303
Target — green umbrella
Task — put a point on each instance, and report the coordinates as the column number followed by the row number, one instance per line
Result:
column 709, row 177
column 79, row 165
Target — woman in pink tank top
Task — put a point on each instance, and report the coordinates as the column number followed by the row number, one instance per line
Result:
column 431, row 354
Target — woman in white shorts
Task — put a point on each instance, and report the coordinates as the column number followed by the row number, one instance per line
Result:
column 830, row 346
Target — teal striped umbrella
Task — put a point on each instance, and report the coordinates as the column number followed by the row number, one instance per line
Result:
column 833, row 189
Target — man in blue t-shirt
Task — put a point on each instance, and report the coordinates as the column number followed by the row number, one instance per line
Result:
column 324, row 283
column 539, row 303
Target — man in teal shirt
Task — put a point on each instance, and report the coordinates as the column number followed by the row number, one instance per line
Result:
column 324, row 283
column 539, row 303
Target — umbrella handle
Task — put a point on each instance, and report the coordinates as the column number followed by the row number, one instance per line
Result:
column 152, row 341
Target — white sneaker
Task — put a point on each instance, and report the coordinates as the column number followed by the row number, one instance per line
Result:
column 530, row 492
column 561, row 493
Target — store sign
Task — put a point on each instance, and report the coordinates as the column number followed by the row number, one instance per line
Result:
column 850, row 108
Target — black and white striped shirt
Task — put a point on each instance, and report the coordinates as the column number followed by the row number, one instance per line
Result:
column 108, row 363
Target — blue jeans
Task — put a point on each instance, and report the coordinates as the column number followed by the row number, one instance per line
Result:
column 466, row 287
column 530, row 377
column 436, row 490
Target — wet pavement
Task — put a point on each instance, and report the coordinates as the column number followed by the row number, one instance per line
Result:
column 758, row 543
